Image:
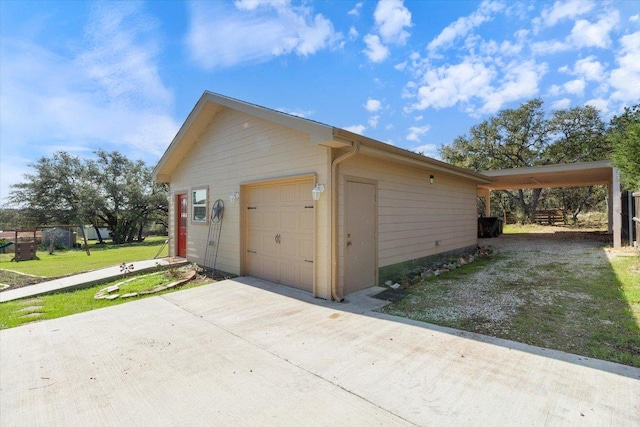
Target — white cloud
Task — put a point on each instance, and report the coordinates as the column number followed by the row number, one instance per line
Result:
column 415, row 133
column 587, row 34
column 254, row 4
column 254, row 32
column 562, row 10
column 510, row 49
column 373, row 121
column 600, row 104
column 418, row 118
column 482, row 87
column 430, row 150
column 575, row 87
column 108, row 95
column 298, row 113
column 376, row 51
column 392, row 17
column 584, row 34
column 463, row 25
column 359, row 129
column 561, row 104
column 589, row 68
column 373, row 105
column 549, row 47
column 447, row 85
column 111, row 91
column 356, row 9
column 121, row 64
column 520, row 81
column 353, row 33
column 554, row 90
column 634, row 18
column 401, row 66
column 626, row 77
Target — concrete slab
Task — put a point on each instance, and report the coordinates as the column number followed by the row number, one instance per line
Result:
column 237, row 353
column 83, row 280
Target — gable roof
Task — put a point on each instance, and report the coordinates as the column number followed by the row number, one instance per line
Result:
column 321, row 134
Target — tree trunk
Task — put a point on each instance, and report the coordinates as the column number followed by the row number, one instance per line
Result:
column 574, row 215
column 535, row 197
column 100, row 241
column 140, row 238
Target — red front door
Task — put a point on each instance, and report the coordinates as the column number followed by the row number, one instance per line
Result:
column 182, row 214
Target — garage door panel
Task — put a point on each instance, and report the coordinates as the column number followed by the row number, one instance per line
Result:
column 305, row 249
column 288, row 246
column 269, row 244
column 304, row 192
column 288, row 274
column 264, row 194
column 289, row 192
column 280, row 229
column 254, row 218
column 270, row 268
column 306, row 219
column 305, row 276
column 254, row 241
column 270, row 219
column 288, row 220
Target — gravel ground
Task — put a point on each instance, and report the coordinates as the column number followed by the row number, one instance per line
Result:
column 523, row 261
column 554, row 289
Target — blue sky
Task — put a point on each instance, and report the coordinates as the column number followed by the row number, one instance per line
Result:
column 77, row 76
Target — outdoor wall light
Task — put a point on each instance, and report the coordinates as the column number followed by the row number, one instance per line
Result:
column 233, row 197
column 317, row 190
column 431, row 178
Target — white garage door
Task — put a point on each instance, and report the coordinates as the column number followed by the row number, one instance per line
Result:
column 280, row 228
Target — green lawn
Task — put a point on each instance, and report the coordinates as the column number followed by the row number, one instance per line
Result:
column 63, row 263
column 19, row 312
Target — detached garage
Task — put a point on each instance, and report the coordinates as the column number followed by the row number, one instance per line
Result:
column 306, row 204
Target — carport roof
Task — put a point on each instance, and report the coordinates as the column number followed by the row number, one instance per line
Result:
column 563, row 175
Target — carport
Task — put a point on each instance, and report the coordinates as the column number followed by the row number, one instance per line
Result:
column 562, row 175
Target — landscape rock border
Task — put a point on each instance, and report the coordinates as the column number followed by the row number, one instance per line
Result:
column 110, row 292
column 435, row 269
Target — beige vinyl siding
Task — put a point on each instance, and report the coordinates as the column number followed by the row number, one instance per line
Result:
column 412, row 213
column 237, row 149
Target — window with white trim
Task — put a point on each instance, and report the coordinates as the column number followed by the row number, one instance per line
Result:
column 199, row 205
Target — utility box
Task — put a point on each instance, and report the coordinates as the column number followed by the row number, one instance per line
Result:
column 489, row 226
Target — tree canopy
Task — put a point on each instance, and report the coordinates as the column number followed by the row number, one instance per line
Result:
column 109, row 190
column 525, row 137
column 624, row 136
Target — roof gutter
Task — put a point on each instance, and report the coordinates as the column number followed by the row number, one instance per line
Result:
column 334, row 219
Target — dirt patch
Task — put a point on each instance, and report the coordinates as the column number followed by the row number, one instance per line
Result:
column 16, row 280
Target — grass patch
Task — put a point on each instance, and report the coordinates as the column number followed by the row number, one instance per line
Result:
column 20, row 312
column 564, row 295
column 63, row 263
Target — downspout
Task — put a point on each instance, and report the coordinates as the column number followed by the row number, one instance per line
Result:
column 334, row 219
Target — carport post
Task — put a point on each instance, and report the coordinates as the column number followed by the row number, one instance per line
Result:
column 486, row 193
column 615, row 208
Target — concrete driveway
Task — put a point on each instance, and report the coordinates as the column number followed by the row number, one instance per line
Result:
column 247, row 352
